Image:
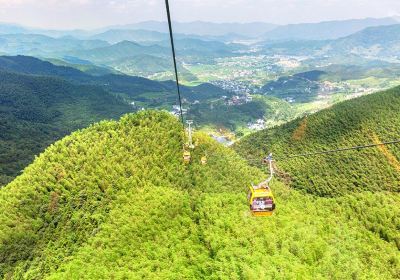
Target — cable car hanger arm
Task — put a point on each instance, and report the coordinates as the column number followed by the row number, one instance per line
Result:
column 171, row 36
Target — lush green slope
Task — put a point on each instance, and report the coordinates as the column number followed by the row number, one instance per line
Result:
column 152, row 93
column 36, row 111
column 115, row 201
column 370, row 119
column 231, row 117
column 301, row 87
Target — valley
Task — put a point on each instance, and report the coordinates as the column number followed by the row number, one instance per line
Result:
column 355, row 63
column 229, row 89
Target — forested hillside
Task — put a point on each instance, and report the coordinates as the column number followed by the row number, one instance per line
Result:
column 41, row 102
column 151, row 93
column 115, row 201
column 36, row 111
column 367, row 120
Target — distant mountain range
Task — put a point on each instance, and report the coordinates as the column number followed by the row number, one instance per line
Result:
column 214, row 31
column 144, row 49
column 378, row 42
column 202, row 28
column 41, row 45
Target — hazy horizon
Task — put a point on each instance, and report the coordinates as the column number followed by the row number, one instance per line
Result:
column 96, row 14
column 181, row 22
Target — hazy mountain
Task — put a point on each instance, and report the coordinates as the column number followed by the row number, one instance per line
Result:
column 7, row 28
column 325, row 30
column 191, row 46
column 377, row 43
column 381, row 41
column 119, row 51
column 206, row 28
column 118, row 35
column 41, row 45
column 210, row 30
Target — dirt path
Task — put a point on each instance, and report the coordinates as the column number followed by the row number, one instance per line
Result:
column 299, row 133
column 385, row 151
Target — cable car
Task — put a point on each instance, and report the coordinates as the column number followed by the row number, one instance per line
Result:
column 186, row 157
column 261, row 200
column 260, row 197
column 203, row 160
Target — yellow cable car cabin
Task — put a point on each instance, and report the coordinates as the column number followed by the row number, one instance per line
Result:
column 186, row 157
column 203, row 160
column 260, row 197
column 261, row 200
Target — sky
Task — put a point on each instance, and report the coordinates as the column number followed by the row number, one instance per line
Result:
column 91, row 14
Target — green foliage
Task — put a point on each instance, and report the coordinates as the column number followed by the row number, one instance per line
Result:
column 36, row 111
column 115, row 201
column 370, row 119
column 220, row 114
column 303, row 87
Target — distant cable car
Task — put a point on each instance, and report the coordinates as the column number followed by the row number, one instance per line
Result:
column 260, row 197
column 189, row 145
column 186, row 157
column 203, row 160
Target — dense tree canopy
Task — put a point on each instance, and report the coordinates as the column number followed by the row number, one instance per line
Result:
column 366, row 120
column 115, row 201
column 35, row 111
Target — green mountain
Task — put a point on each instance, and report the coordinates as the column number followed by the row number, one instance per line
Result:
column 366, row 120
column 192, row 46
column 118, row 51
column 41, row 102
column 37, row 110
column 301, row 87
column 33, row 66
column 131, row 87
column 84, row 66
column 378, row 42
column 372, row 44
column 151, row 66
column 133, row 58
column 116, row 201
